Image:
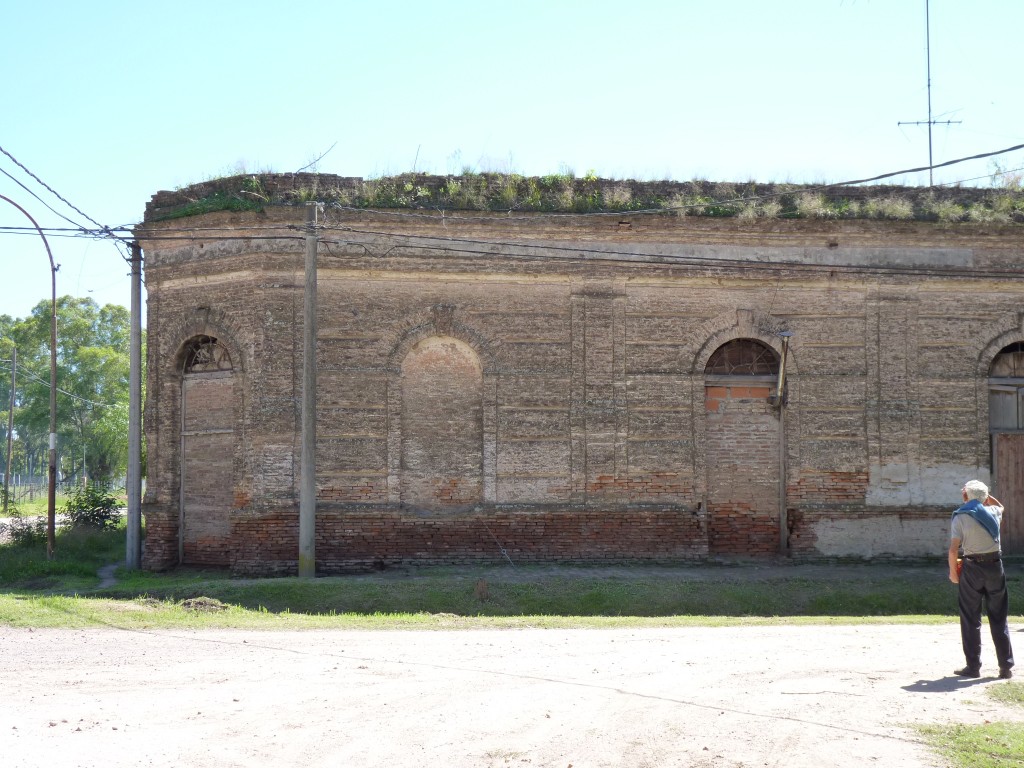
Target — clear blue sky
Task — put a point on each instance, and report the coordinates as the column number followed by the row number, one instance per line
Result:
column 109, row 102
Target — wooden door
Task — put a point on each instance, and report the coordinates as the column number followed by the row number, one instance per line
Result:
column 1009, row 488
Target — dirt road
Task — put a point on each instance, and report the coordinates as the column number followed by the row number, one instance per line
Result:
column 743, row 696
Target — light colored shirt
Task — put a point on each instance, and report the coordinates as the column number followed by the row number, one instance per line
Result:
column 974, row 539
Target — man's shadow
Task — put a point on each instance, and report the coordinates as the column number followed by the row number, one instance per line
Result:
column 945, row 684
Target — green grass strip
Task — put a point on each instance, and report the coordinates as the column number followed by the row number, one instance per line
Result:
column 992, row 745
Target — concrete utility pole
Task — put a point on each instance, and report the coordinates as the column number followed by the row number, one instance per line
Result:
column 51, row 504
column 133, row 544
column 307, row 481
column 780, row 401
column 10, row 428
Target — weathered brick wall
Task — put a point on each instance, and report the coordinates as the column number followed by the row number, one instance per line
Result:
column 828, row 488
column 547, row 381
column 352, row 539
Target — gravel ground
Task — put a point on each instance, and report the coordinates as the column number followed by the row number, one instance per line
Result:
column 739, row 696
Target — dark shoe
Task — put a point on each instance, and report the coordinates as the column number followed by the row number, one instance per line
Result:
column 1005, row 673
column 968, row 672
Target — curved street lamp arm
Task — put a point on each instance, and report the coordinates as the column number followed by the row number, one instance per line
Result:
column 51, row 515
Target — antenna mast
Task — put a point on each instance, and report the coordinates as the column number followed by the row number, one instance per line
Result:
column 929, row 122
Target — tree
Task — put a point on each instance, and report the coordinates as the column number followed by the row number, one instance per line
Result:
column 92, row 386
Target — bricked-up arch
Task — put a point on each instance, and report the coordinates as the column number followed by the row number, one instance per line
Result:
column 441, row 425
column 742, row 448
column 207, row 451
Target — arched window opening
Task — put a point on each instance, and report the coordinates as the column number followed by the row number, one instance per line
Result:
column 743, row 357
column 1009, row 363
column 203, row 354
column 1006, row 389
column 1006, row 427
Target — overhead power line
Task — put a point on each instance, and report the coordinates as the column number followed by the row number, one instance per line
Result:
column 102, row 231
column 50, row 208
column 51, row 190
column 25, row 372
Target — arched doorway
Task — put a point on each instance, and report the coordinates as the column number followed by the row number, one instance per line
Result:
column 1006, row 425
column 742, row 449
column 207, row 452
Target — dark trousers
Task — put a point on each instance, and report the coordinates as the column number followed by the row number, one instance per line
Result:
column 984, row 581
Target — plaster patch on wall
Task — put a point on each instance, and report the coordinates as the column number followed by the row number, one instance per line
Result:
column 879, row 536
column 900, row 485
column 275, row 474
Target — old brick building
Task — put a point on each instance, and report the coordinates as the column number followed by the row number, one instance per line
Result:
column 585, row 386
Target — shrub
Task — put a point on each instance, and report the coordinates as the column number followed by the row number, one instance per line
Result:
column 946, row 210
column 92, row 507
column 20, row 531
column 813, row 206
column 891, row 207
column 23, row 531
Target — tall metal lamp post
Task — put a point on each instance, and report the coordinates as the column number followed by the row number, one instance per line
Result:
column 51, row 498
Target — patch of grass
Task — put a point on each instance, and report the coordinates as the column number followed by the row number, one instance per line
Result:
column 147, row 612
column 78, row 554
column 37, row 506
column 564, row 192
column 1009, row 693
column 992, row 745
column 716, row 592
column 217, row 201
column 705, row 592
column 555, row 597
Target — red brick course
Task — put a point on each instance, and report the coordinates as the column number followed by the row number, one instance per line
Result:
column 356, row 539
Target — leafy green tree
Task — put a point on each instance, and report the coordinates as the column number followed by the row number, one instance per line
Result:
column 92, row 384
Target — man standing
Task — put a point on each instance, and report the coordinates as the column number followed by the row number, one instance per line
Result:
column 975, row 529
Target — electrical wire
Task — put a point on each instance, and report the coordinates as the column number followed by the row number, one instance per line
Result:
column 103, row 231
column 550, row 253
column 45, row 204
column 51, row 190
column 25, row 372
column 986, row 176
